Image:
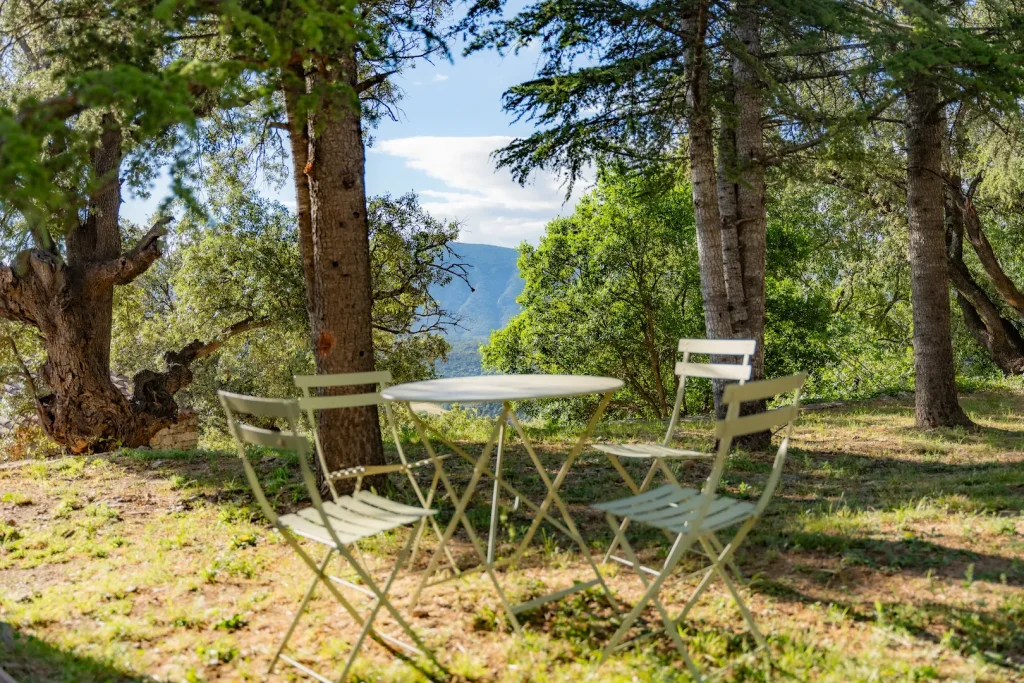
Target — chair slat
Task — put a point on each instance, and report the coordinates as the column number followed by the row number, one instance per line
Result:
column 751, row 424
column 258, row 436
column 332, row 402
column 719, row 347
column 313, row 530
column 358, row 508
column 714, row 370
column 263, row 407
column 342, row 380
column 768, row 388
column 390, row 505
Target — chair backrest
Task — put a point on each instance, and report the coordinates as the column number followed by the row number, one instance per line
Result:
column 245, row 434
column 715, row 348
column 288, row 410
column 734, row 425
column 311, row 404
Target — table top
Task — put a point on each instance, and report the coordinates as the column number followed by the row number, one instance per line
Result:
column 495, row 388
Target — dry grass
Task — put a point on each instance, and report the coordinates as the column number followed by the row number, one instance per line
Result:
column 889, row 554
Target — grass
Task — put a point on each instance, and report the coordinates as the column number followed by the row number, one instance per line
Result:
column 889, row 554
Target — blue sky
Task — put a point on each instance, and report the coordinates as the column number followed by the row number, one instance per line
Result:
column 450, row 122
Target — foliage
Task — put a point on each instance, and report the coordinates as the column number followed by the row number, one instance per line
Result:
column 608, row 291
column 238, row 263
column 611, row 288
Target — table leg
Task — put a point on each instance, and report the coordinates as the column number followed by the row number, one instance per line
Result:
column 493, row 533
column 573, row 531
column 460, row 516
column 557, row 484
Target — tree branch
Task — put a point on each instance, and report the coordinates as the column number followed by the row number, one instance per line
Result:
column 374, row 80
column 134, row 263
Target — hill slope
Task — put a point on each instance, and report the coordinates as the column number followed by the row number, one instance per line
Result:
column 495, row 282
column 486, row 304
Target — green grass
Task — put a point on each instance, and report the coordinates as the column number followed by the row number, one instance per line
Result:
column 889, row 554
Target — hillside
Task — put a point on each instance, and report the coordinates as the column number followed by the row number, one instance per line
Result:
column 486, row 303
column 489, row 301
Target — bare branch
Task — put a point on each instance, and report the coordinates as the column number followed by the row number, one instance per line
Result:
column 374, row 80
column 134, row 263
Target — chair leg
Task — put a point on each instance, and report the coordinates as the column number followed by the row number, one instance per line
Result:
column 636, row 490
column 730, row 562
column 301, row 610
column 382, row 602
column 653, row 588
column 758, row 638
column 670, row 625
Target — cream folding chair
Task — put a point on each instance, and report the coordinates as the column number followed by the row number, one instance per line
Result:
column 338, row 525
column 661, row 454
column 694, row 516
column 378, row 379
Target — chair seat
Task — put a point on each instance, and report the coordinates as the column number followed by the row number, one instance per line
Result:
column 352, row 518
column 673, row 508
column 648, row 450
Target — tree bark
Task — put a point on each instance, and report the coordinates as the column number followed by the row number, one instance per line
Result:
column 70, row 301
column 704, row 179
column 341, row 322
column 935, row 381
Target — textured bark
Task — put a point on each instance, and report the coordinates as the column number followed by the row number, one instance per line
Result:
column 983, row 248
column 294, row 89
column 935, row 394
column 704, row 179
column 70, row 301
column 729, row 202
column 341, row 321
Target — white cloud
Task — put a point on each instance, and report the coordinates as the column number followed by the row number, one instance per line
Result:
column 440, row 78
column 492, row 206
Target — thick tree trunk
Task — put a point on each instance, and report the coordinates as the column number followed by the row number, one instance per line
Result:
column 729, row 202
column 935, row 392
column 69, row 300
column 341, row 320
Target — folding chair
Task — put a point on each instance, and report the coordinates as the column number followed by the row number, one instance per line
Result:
column 694, row 516
column 337, row 525
column 380, row 379
column 661, row 453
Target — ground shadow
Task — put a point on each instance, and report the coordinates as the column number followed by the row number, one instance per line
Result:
column 993, row 635
column 30, row 660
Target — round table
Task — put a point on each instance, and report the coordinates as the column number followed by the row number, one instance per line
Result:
column 500, row 388
column 504, row 389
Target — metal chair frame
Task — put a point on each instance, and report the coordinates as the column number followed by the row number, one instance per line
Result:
column 338, row 525
column 310, row 404
column 694, row 517
column 661, row 454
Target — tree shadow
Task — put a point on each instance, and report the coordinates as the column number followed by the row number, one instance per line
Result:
column 30, row 660
column 993, row 635
column 912, row 555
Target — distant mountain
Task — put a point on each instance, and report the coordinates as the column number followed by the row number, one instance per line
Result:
column 489, row 301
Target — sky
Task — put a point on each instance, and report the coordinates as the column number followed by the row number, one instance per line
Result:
column 450, row 122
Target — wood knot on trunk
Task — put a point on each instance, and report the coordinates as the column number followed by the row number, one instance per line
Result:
column 348, row 181
column 324, row 344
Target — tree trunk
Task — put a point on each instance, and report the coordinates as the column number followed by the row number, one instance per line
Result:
column 704, row 180
column 935, row 383
column 69, row 300
column 341, row 320
column 729, row 203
